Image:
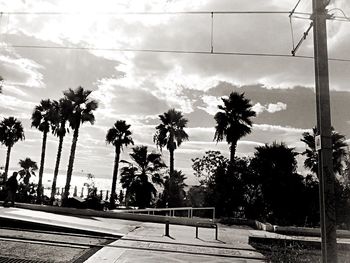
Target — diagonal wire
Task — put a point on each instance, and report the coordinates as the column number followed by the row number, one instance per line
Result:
column 291, row 30
column 291, row 22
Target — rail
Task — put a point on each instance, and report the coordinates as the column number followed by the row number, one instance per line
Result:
column 170, row 211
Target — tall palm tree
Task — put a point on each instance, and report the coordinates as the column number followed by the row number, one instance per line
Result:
column 233, row 121
column 119, row 135
column 338, row 153
column 43, row 119
column 82, row 111
column 11, row 131
column 63, row 109
column 171, row 133
column 29, row 167
column 140, row 176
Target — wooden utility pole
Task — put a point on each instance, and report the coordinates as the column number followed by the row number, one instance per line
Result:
column 325, row 162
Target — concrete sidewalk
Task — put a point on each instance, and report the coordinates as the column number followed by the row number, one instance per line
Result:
column 148, row 244
column 145, row 242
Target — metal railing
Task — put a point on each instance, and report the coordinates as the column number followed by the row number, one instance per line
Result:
column 171, row 211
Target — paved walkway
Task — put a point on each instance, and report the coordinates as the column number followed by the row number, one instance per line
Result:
column 145, row 242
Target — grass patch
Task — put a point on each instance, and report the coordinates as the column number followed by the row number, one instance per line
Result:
column 295, row 253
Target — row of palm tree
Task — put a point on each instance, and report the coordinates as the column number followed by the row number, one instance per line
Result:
column 75, row 108
column 233, row 122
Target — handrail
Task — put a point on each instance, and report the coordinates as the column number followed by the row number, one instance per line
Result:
column 170, row 210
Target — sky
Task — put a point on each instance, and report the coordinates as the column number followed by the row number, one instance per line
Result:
column 138, row 86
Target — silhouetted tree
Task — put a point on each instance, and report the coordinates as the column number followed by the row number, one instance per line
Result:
column 29, row 167
column 223, row 183
column 139, row 177
column 196, row 196
column 63, row 109
column 170, row 133
column 43, row 117
column 233, row 121
column 119, row 135
column 121, row 197
column 339, row 151
column 82, row 111
column 205, row 167
column 282, row 188
column 174, row 194
column 11, row 131
column 26, row 189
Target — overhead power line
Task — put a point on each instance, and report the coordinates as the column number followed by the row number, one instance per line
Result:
column 173, row 51
column 149, row 13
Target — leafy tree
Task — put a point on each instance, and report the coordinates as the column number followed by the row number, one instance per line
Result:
column 174, row 193
column 196, row 196
column 170, row 133
column 339, row 151
column 119, row 135
column 63, row 109
column 233, row 121
column 82, row 111
column 29, row 167
column 274, row 167
column 224, row 182
column 43, row 118
column 26, row 189
column 140, row 176
column 11, row 131
column 205, row 167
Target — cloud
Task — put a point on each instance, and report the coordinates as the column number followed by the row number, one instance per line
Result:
column 271, row 107
column 211, row 104
column 18, row 71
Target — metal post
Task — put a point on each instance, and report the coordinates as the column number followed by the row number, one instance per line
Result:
column 325, row 162
column 167, row 228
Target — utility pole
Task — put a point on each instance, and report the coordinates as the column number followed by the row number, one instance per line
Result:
column 325, row 162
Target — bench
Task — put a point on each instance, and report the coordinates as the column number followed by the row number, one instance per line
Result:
column 207, row 225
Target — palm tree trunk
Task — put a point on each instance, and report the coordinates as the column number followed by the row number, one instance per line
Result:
column 58, row 159
column 41, row 169
column 7, row 162
column 171, row 151
column 233, row 151
column 70, row 164
column 115, row 175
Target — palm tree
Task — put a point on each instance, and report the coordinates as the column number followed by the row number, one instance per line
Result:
column 43, row 119
column 82, row 111
column 174, row 193
column 63, row 109
column 140, row 176
column 119, row 135
column 170, row 133
column 338, row 154
column 11, row 131
column 233, row 120
column 28, row 169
